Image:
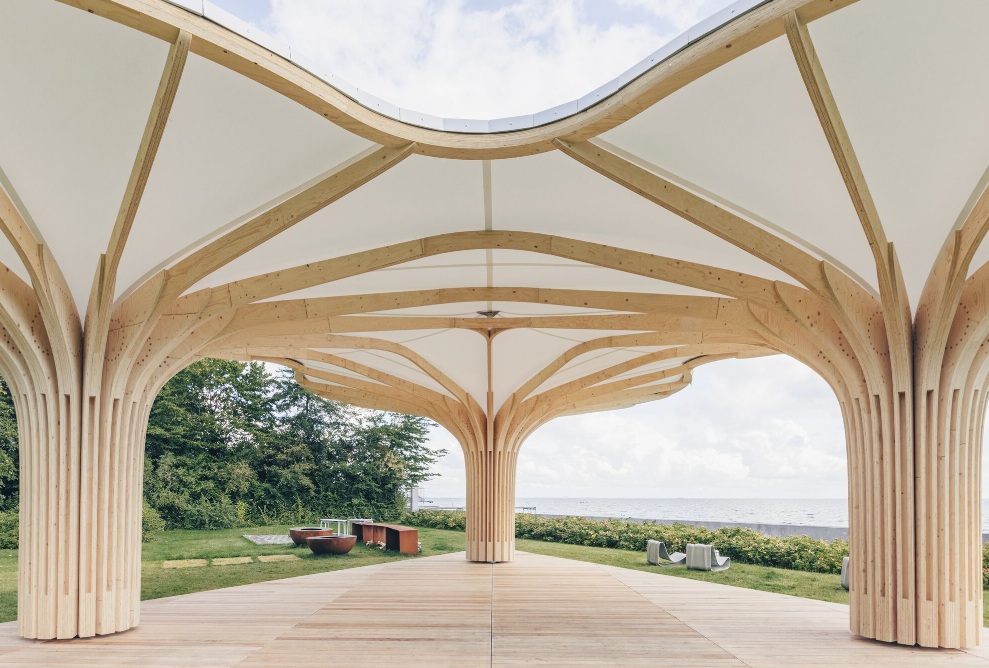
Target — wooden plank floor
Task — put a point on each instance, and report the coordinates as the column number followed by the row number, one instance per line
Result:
column 441, row 611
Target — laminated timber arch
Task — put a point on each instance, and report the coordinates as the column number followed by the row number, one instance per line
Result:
column 494, row 281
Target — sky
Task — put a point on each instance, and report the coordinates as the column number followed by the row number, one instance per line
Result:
column 762, row 428
column 478, row 59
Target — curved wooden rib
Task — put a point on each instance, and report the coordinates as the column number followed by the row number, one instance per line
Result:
column 416, row 401
column 691, row 274
column 595, row 389
column 58, row 311
column 845, row 301
column 705, row 214
column 283, row 346
column 460, row 410
column 190, row 310
column 896, row 304
column 625, row 396
column 599, row 379
column 105, row 280
column 623, row 321
column 943, row 290
column 525, row 399
column 287, row 314
column 52, row 611
column 140, row 312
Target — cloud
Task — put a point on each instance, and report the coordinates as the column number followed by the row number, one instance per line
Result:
column 459, row 60
column 746, row 428
column 682, row 14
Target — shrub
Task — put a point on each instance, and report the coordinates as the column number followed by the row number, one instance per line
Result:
column 743, row 545
column 242, row 513
column 205, row 514
column 985, row 565
column 152, row 523
column 8, row 529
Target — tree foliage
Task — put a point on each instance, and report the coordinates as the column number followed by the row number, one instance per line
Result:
column 231, row 443
column 8, row 450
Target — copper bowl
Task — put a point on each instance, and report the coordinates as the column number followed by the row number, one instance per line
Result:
column 299, row 534
column 331, row 544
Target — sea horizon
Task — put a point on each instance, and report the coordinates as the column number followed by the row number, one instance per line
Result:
column 815, row 511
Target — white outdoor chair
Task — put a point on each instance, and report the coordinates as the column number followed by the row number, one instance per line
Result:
column 702, row 557
column 657, row 555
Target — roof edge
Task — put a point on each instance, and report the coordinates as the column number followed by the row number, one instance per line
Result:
column 737, row 29
column 215, row 14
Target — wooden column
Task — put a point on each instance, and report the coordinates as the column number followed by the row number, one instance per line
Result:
column 951, row 354
column 881, row 518
column 490, row 482
column 49, row 520
column 490, row 505
column 949, row 533
column 80, row 512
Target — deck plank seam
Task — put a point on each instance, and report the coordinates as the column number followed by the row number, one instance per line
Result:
column 367, row 576
column 670, row 612
column 985, row 659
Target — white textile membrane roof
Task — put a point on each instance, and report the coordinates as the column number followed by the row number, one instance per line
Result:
column 489, row 268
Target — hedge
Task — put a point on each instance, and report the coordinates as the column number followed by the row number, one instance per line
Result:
column 798, row 553
column 743, row 545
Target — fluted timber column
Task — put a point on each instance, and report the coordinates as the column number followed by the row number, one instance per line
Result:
column 47, row 591
column 490, row 505
column 881, row 516
column 951, row 381
column 949, row 532
column 80, row 515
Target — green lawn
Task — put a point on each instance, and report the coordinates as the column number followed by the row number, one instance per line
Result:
column 821, row 586
column 158, row 582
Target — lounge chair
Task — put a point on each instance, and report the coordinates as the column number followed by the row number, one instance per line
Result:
column 844, row 572
column 702, row 557
column 657, row 555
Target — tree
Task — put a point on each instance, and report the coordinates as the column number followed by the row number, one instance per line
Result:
column 385, row 454
column 228, row 440
column 202, row 440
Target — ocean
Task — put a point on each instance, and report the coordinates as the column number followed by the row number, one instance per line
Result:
column 809, row 512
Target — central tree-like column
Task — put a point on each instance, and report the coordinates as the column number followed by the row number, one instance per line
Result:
column 490, row 504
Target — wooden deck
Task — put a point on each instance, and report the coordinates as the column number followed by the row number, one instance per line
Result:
column 445, row 611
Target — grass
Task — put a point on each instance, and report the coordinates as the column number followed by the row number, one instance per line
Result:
column 157, row 582
column 820, row 586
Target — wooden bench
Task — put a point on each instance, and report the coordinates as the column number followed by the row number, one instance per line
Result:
column 394, row 536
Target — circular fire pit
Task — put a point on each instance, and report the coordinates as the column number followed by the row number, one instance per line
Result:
column 331, row 544
column 299, row 534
